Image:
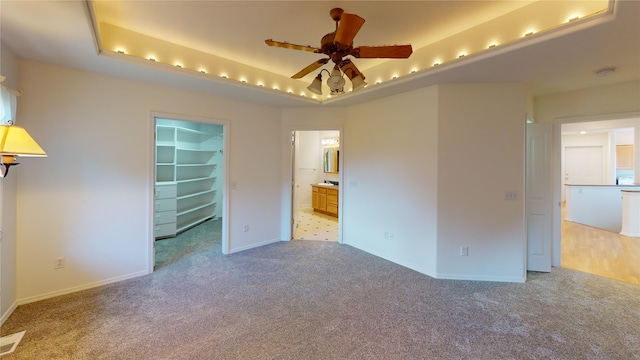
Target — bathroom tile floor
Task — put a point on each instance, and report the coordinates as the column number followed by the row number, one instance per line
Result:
column 315, row 226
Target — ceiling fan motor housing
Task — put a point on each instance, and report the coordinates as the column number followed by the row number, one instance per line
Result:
column 336, row 14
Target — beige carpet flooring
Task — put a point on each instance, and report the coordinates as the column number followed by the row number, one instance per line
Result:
column 315, row 226
column 323, row 300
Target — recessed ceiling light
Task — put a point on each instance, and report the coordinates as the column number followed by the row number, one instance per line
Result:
column 582, row 132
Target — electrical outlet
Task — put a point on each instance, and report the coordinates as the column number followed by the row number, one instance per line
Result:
column 245, row 227
column 464, row 251
column 391, row 236
column 58, row 263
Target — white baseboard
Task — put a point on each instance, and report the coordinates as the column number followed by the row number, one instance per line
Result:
column 481, row 278
column 408, row 265
column 247, row 247
column 8, row 313
column 79, row 288
column 444, row 276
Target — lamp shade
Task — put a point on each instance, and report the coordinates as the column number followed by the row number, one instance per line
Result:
column 15, row 141
column 358, row 82
column 336, row 81
column 316, row 85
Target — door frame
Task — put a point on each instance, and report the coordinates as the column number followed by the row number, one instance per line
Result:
column 152, row 177
column 558, row 175
column 289, row 196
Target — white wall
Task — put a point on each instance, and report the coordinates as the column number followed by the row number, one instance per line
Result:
column 90, row 200
column 619, row 98
column 8, row 189
column 481, row 143
column 430, row 167
column 390, row 153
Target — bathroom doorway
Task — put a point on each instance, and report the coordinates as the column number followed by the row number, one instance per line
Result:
column 316, row 166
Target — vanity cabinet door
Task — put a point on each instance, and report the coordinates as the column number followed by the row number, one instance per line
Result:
column 332, row 202
column 314, row 197
column 322, row 199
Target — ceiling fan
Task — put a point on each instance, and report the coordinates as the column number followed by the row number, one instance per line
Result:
column 337, row 45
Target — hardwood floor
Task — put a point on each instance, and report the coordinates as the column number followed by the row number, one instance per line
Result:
column 600, row 252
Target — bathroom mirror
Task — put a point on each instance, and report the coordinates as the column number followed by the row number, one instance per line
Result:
column 331, row 159
column 331, row 154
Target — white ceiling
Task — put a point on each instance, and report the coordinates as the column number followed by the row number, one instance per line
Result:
column 61, row 33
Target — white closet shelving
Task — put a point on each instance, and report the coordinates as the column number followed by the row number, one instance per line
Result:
column 189, row 154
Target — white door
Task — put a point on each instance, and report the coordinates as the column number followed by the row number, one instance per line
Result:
column 294, row 195
column 538, row 197
column 584, row 165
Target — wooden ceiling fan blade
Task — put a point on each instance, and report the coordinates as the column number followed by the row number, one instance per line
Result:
column 392, row 52
column 287, row 45
column 310, row 68
column 349, row 26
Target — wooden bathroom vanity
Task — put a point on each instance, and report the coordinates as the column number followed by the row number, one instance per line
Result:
column 324, row 199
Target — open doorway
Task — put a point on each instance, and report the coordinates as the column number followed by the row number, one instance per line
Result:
column 596, row 163
column 316, row 185
column 189, row 173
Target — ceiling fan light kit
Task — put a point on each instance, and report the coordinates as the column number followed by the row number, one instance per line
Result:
column 316, row 85
column 337, row 45
column 358, row 83
column 336, row 81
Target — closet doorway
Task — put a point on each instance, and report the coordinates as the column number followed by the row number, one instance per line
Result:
column 189, row 173
column 316, row 165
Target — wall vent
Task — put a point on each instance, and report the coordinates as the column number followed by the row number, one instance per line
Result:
column 10, row 342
